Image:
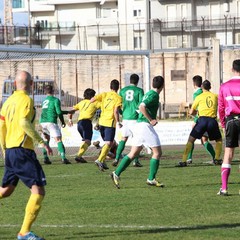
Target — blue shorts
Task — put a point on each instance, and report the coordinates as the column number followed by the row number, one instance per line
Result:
column 22, row 163
column 206, row 124
column 85, row 129
column 107, row 133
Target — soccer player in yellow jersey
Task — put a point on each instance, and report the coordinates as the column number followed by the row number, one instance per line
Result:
column 110, row 105
column 17, row 134
column 86, row 110
column 206, row 105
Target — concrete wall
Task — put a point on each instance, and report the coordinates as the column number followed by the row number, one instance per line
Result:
column 76, row 73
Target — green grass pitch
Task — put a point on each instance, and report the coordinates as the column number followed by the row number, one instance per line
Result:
column 82, row 203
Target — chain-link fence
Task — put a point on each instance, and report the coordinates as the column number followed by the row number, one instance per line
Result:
column 71, row 72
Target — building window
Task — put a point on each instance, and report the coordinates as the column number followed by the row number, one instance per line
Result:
column 238, row 8
column 185, row 41
column 171, row 11
column 137, row 42
column 18, row 4
column 183, row 9
column 172, row 42
column 137, row 13
column 237, row 38
column 106, row 12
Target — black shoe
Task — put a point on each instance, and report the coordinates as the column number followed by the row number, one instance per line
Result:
column 104, row 165
column 47, row 161
column 217, row 161
column 115, row 163
column 137, row 164
column 65, row 161
column 99, row 165
column 80, row 160
column 182, row 164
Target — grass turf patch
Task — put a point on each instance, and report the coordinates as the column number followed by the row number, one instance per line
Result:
column 82, row 203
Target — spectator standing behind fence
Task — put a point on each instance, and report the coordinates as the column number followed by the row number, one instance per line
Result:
column 87, row 110
column 229, row 114
column 17, row 134
column 197, row 83
column 145, row 135
column 110, row 105
column 131, row 97
column 206, row 106
column 51, row 111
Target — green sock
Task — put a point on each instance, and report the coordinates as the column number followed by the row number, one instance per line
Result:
column 136, row 160
column 154, row 164
column 208, row 146
column 191, row 153
column 45, row 155
column 61, row 149
column 120, row 148
column 123, row 165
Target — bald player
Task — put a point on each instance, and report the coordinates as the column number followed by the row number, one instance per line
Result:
column 17, row 134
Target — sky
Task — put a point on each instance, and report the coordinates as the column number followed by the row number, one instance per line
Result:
column 19, row 19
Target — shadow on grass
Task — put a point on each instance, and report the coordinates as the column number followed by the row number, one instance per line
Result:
column 126, row 233
column 190, row 228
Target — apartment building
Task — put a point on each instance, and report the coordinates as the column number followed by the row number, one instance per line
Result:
column 191, row 24
column 132, row 24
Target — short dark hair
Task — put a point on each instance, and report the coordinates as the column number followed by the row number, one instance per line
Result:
column 197, row 80
column 206, row 85
column 114, row 85
column 89, row 93
column 236, row 65
column 158, row 82
column 134, row 78
column 48, row 89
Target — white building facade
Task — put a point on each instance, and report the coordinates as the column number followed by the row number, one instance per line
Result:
column 132, row 24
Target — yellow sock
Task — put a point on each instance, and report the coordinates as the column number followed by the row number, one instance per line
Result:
column 218, row 150
column 1, row 196
column 187, row 150
column 31, row 212
column 83, row 148
column 104, row 152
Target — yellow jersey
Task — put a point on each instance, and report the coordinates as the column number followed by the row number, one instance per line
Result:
column 206, row 104
column 17, row 107
column 87, row 109
column 109, row 101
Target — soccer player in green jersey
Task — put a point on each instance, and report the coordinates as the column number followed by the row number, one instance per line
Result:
column 197, row 82
column 87, row 110
column 51, row 111
column 131, row 97
column 144, row 134
column 17, row 134
column 110, row 105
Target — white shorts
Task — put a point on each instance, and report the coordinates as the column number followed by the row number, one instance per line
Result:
column 126, row 129
column 144, row 134
column 51, row 129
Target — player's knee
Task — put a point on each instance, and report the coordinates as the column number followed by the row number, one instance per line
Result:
column 7, row 192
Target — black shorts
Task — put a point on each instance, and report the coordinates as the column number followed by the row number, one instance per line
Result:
column 206, row 124
column 85, row 129
column 232, row 129
column 22, row 163
column 107, row 133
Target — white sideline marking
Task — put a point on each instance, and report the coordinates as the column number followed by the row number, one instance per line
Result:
column 95, row 226
column 115, row 226
column 65, row 175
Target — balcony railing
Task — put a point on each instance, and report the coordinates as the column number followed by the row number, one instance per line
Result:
column 153, row 32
